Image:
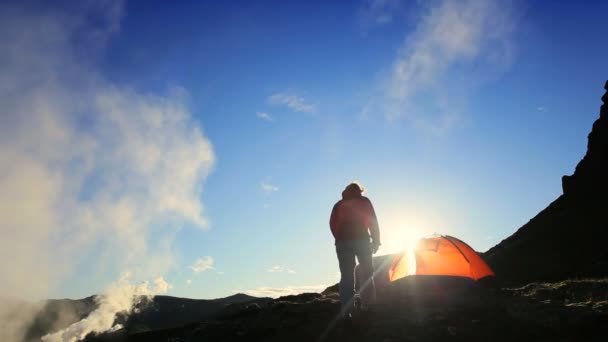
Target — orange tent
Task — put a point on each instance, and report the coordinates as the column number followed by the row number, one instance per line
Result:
column 441, row 255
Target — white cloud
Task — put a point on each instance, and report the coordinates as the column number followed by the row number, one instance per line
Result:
column 264, row 116
column 281, row 269
column 275, row 269
column 268, row 188
column 540, row 109
column 202, row 264
column 87, row 164
column 378, row 12
column 188, row 281
column 275, row 292
column 292, row 101
column 439, row 62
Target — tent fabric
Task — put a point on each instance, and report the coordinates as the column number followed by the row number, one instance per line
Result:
column 441, row 256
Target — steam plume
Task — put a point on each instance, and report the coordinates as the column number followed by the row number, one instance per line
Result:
column 91, row 171
column 120, row 298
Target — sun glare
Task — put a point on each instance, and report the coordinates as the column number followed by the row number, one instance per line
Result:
column 399, row 239
column 401, row 233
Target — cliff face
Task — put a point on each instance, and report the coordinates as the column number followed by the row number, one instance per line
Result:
column 569, row 239
column 590, row 179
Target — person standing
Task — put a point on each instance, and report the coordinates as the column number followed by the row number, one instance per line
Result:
column 355, row 228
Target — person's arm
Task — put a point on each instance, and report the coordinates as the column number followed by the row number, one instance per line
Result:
column 373, row 227
column 333, row 220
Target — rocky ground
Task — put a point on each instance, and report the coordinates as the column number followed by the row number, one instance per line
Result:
column 573, row 310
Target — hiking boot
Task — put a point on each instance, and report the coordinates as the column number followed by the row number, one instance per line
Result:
column 347, row 323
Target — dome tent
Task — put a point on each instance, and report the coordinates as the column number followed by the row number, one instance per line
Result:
column 439, row 255
column 436, row 264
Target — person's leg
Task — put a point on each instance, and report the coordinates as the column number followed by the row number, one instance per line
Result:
column 346, row 259
column 367, row 288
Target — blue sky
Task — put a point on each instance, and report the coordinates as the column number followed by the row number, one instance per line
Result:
column 207, row 142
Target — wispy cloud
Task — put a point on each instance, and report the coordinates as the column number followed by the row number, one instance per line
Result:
column 281, row 269
column 275, row 292
column 292, row 101
column 540, row 108
column 264, row 116
column 378, row 12
column 275, row 269
column 188, row 281
column 269, row 188
column 202, row 264
column 441, row 59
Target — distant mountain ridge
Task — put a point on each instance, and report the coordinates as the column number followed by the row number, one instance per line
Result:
column 161, row 312
column 568, row 239
column 167, row 312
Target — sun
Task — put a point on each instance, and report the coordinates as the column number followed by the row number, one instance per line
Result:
column 399, row 233
column 397, row 240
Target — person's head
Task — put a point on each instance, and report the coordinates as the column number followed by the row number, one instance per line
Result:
column 354, row 186
column 353, row 189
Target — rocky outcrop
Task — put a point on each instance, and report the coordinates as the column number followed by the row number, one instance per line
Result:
column 568, row 239
column 590, row 179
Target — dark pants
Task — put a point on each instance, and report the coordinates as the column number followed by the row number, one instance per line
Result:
column 347, row 251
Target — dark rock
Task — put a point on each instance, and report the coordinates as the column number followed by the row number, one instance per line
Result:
column 301, row 298
column 239, row 310
column 590, row 179
column 568, row 238
column 332, row 290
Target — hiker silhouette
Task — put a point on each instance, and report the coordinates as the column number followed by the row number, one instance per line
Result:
column 353, row 223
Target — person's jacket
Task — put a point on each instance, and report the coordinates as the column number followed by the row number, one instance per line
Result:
column 353, row 216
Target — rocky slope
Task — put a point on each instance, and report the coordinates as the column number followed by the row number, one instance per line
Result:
column 564, row 311
column 568, row 239
column 57, row 314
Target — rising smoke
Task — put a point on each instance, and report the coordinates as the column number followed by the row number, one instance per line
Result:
column 86, row 164
column 121, row 297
